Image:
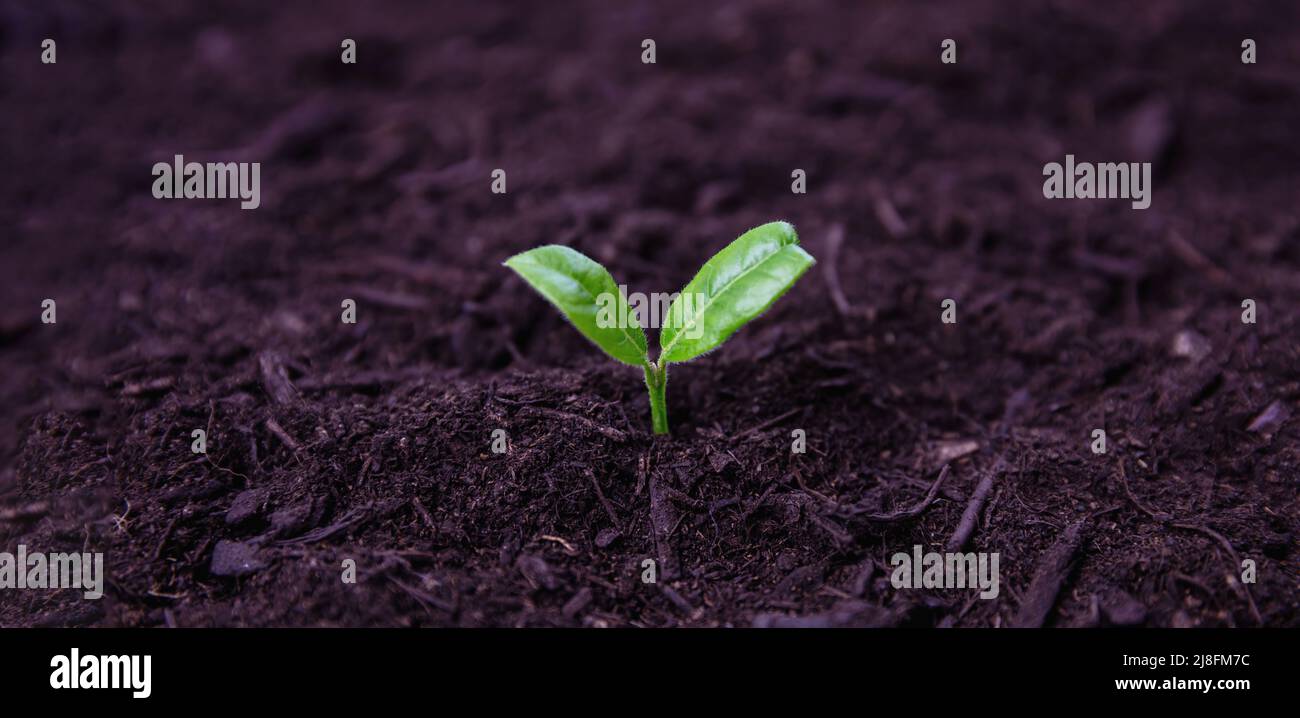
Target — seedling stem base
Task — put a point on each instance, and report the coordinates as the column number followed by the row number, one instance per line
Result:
column 656, row 380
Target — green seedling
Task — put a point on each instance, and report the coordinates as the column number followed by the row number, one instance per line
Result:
column 735, row 286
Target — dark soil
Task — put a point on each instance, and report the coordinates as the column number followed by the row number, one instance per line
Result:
column 372, row 441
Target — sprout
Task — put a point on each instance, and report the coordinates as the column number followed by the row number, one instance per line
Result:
column 735, row 286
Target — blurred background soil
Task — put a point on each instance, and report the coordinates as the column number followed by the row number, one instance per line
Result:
column 371, row 441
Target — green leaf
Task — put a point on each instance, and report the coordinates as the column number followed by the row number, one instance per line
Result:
column 575, row 284
column 736, row 285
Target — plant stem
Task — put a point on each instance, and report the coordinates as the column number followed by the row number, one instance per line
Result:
column 656, row 380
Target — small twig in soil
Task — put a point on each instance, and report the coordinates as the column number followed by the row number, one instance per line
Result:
column 97, row 462
column 642, row 470
column 1193, row 582
column 608, row 432
column 798, row 479
column 757, row 503
column 677, row 599
column 121, row 522
column 1123, row 480
column 274, row 427
column 424, row 598
column 212, row 414
column 579, row 601
column 913, row 512
column 969, row 517
column 722, row 504
column 391, row 300
column 767, row 424
column 350, row 519
column 661, row 516
column 25, row 513
column 275, row 380
column 682, row 498
column 886, row 213
column 863, row 578
column 424, row 514
column 604, row 502
column 193, row 557
column 1194, row 259
column 947, row 492
column 830, row 268
column 568, row 547
column 1053, row 568
column 217, row 466
column 1167, row 520
column 841, row 537
column 150, row 386
column 162, row 542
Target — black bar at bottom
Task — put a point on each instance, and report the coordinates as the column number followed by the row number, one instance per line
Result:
column 230, row 667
